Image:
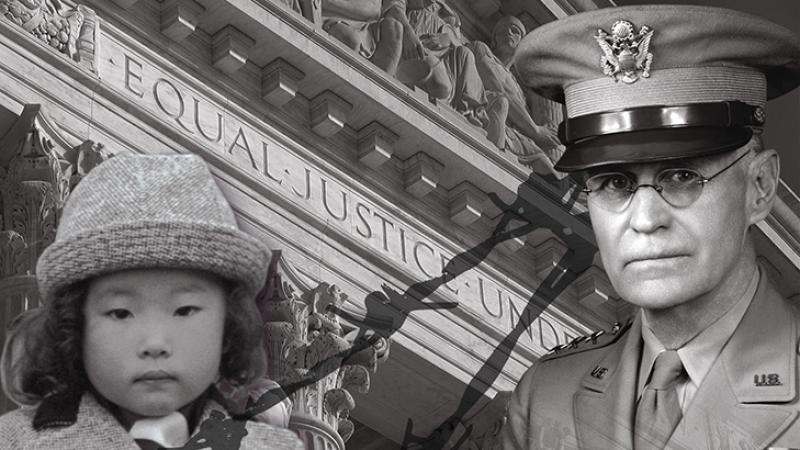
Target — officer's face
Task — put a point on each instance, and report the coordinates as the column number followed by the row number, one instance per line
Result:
column 657, row 255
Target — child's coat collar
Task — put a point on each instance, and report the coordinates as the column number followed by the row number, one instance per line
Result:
column 61, row 410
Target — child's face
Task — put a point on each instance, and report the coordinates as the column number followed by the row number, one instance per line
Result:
column 153, row 338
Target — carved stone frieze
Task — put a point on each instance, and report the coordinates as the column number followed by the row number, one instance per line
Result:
column 372, row 28
column 526, row 126
column 439, row 63
column 310, row 9
column 72, row 31
column 420, row 43
column 317, row 360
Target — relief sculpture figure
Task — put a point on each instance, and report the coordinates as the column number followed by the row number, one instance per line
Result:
column 420, row 42
column 535, row 145
column 373, row 28
column 435, row 59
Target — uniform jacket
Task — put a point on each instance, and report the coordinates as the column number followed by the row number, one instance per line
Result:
column 97, row 429
column 587, row 399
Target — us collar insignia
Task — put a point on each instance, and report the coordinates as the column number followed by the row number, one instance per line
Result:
column 626, row 54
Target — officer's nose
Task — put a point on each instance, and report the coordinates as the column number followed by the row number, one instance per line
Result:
column 648, row 210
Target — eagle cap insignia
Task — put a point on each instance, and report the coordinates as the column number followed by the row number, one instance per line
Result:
column 626, row 54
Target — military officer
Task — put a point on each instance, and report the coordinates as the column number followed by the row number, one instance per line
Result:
column 664, row 110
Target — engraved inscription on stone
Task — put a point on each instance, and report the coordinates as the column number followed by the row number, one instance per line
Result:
column 270, row 160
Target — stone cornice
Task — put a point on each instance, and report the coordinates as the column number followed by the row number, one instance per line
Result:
column 435, row 128
column 116, row 116
column 443, row 134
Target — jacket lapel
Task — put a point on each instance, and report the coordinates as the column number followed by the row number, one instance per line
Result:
column 604, row 407
column 93, row 428
column 730, row 408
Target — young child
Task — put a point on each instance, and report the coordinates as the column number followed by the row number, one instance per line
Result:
column 148, row 300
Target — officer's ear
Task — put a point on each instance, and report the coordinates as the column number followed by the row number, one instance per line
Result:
column 763, row 179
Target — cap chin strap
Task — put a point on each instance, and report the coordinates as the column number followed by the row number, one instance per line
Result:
column 718, row 114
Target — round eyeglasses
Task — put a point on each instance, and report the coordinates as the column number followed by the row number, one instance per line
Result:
column 680, row 188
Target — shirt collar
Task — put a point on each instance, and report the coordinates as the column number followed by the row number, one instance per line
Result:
column 699, row 354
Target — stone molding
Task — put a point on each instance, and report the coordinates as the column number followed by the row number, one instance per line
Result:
column 466, row 203
column 279, row 81
column 125, row 4
column 375, row 144
column 548, row 254
column 514, row 244
column 594, row 288
column 179, row 18
column 230, row 49
column 421, row 174
column 485, row 8
column 329, row 113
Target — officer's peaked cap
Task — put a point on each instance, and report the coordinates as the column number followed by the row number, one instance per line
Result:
column 658, row 82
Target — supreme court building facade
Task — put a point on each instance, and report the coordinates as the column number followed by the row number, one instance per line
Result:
column 371, row 172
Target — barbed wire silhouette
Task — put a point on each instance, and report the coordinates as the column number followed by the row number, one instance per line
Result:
column 578, row 257
column 388, row 309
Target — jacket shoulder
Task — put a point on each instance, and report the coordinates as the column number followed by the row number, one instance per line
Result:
column 261, row 435
column 16, row 428
column 217, row 426
column 598, row 339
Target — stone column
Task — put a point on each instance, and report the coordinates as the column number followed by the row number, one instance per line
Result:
column 38, row 168
column 312, row 355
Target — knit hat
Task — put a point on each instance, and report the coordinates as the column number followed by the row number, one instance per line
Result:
column 155, row 211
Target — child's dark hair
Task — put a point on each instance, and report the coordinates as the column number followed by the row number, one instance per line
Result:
column 43, row 353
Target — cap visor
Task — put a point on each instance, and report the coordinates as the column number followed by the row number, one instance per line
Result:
column 651, row 145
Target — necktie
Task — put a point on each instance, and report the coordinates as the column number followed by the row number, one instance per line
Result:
column 659, row 411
